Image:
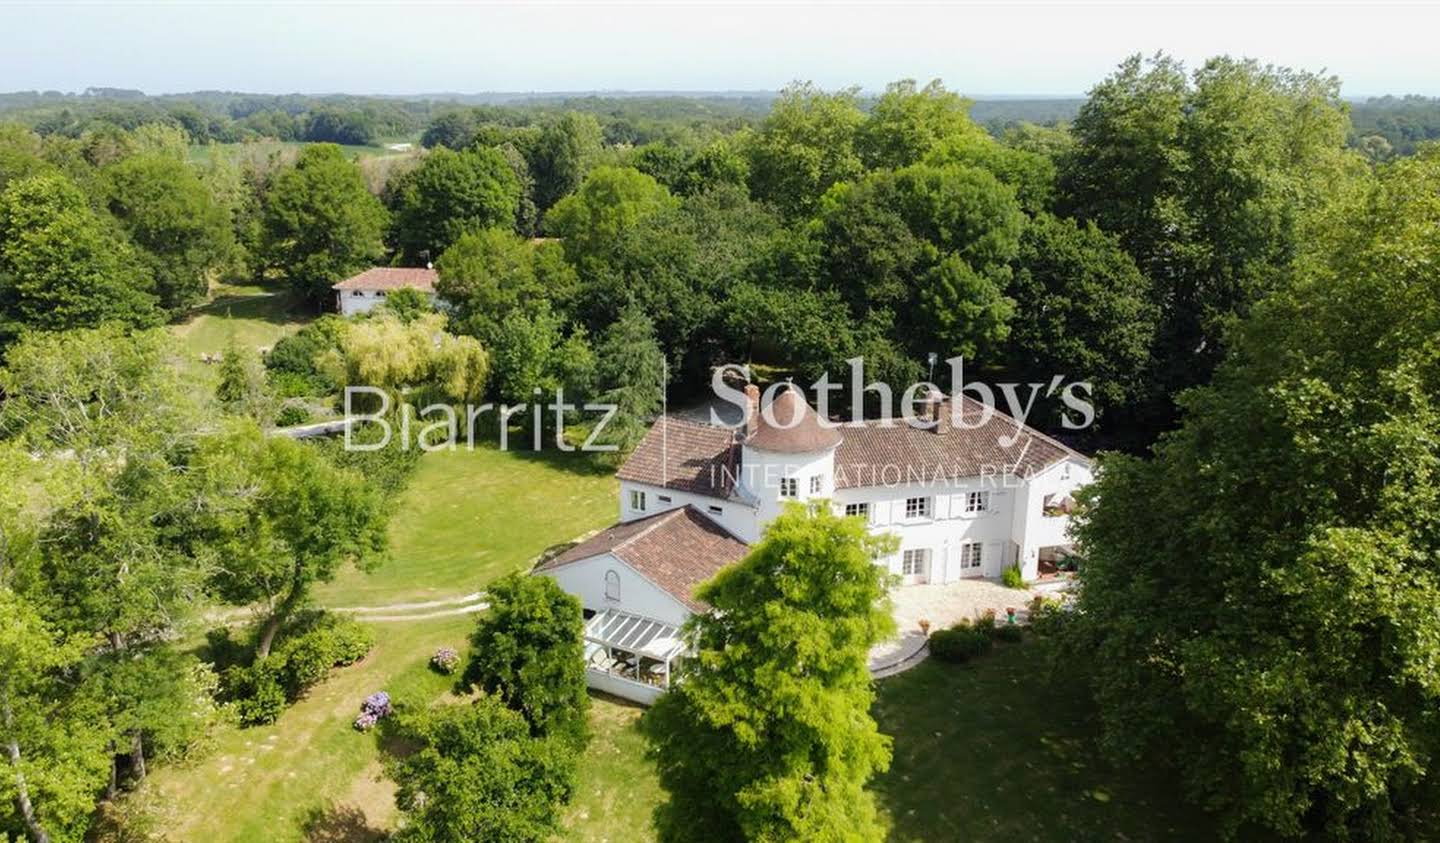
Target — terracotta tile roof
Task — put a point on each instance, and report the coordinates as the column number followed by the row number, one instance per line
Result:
column 390, row 278
column 796, row 430
column 677, row 550
column 871, row 453
column 695, row 457
column 685, row 455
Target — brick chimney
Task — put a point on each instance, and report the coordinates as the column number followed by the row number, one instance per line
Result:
column 935, row 411
column 752, row 410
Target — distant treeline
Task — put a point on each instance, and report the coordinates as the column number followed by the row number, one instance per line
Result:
column 1401, row 122
column 231, row 117
column 1382, row 127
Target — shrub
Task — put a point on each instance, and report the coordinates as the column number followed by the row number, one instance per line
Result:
column 1012, row 577
column 445, row 660
column 315, row 644
column 375, row 708
column 291, row 415
column 295, row 385
column 300, row 352
column 256, row 692
column 960, row 643
column 351, row 641
column 1010, row 633
column 1049, row 618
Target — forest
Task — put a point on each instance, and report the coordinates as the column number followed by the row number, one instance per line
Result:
column 1239, row 261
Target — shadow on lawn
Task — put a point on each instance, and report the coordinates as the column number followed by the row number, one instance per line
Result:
column 998, row 750
column 339, row 823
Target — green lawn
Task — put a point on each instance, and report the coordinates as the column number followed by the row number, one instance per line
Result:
column 201, row 153
column 466, row 518
column 469, row 516
column 256, row 316
column 617, row 790
column 985, row 751
column 993, row 751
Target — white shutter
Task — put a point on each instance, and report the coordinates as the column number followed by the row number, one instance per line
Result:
column 957, row 504
column 880, row 512
column 941, row 506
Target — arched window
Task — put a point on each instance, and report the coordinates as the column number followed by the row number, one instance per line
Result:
column 612, row 586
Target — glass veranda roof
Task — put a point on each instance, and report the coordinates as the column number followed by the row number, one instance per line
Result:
column 633, row 633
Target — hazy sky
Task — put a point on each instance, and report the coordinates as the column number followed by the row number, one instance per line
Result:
column 1012, row 48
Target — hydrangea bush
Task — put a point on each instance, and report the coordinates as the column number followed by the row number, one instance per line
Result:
column 375, row 708
column 445, row 660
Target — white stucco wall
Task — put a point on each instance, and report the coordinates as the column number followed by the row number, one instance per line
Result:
column 1031, row 529
column 736, row 517
column 355, row 302
column 947, row 528
column 638, row 596
column 761, row 472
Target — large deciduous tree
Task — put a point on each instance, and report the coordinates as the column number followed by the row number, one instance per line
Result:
column 488, row 274
column 933, row 245
column 284, row 520
column 564, row 153
column 1086, row 312
column 804, row 146
column 449, row 194
column 611, row 202
column 476, row 773
column 1208, row 180
column 907, row 122
column 62, row 266
column 321, row 223
column 53, row 744
column 184, row 232
column 768, row 733
column 529, row 651
column 1259, row 599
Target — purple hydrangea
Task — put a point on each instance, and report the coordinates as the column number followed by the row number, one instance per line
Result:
column 375, row 707
column 445, row 660
column 377, row 704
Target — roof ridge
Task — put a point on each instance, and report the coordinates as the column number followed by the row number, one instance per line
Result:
column 660, row 518
column 1035, row 432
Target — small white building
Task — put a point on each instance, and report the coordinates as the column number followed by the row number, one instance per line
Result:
column 361, row 293
column 970, row 493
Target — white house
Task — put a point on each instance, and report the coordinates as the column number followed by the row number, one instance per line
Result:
column 967, row 495
column 360, row 293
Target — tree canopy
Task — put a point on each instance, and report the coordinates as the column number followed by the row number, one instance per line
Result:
column 1281, row 653
column 321, row 223
column 768, row 735
column 450, row 194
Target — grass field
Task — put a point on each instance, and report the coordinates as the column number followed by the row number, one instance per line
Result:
column 201, row 153
column 467, row 518
column 618, row 790
column 993, row 750
column 256, row 316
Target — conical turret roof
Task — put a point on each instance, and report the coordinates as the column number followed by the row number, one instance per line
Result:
column 796, row 428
